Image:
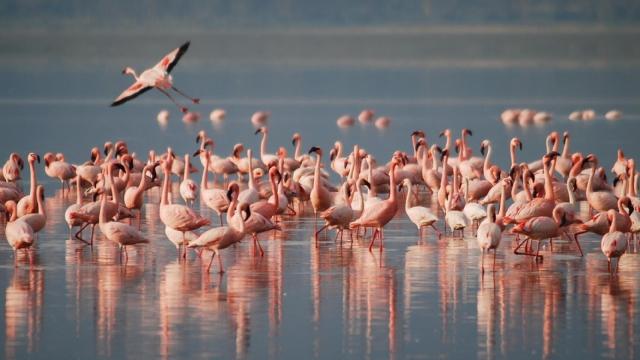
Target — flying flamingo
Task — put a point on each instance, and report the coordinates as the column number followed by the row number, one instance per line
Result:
column 156, row 77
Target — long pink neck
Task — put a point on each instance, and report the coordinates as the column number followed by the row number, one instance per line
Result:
column 32, row 189
column 204, row 182
column 164, row 199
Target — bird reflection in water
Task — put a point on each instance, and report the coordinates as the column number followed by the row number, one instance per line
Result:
column 24, row 299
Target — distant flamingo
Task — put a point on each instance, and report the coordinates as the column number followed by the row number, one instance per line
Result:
column 419, row 215
column 156, row 77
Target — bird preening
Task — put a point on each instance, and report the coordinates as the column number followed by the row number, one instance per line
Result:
column 157, row 77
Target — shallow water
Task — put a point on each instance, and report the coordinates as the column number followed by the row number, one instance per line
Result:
column 416, row 299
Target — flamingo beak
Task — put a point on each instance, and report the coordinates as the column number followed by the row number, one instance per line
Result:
column 441, row 134
column 314, row 149
column 198, row 152
column 38, row 158
column 257, row 131
column 482, row 147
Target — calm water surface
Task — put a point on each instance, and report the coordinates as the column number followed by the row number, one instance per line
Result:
column 416, row 299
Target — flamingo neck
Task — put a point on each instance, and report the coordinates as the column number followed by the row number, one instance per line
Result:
column 33, row 187
column 252, row 181
column 263, row 144
column 359, row 185
column 102, row 218
column 407, row 202
column 298, row 152
column 503, row 199
column 78, row 192
column 164, row 199
column 114, row 191
column 487, row 158
column 590, row 181
column 41, row 209
column 232, row 209
column 512, row 151
column 274, row 190
column 548, row 185
column 393, row 192
column 565, row 149
column 572, row 196
column 204, row 182
column 525, row 185
column 316, row 173
column 185, row 174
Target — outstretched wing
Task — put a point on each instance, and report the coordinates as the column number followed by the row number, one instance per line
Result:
column 134, row 90
column 170, row 60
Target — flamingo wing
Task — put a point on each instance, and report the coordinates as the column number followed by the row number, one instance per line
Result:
column 170, row 60
column 133, row 91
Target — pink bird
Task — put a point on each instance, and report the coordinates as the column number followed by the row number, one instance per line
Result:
column 156, row 77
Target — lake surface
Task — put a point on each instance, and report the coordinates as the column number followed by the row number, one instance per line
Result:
column 416, row 299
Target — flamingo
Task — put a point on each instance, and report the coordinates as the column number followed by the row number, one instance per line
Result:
column 489, row 234
column 215, row 199
column 72, row 222
column 61, row 170
column 338, row 216
column 175, row 216
column 321, row 198
column 598, row 200
column 419, row 215
column 378, row 216
column 122, row 234
column 28, row 204
column 251, row 194
column 614, row 243
column 18, row 233
column 11, row 168
column 157, row 77
column 220, row 238
column 540, row 228
column 188, row 187
column 133, row 196
column 38, row 220
column 265, row 157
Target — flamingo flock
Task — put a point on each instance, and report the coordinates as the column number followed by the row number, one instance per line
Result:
column 537, row 202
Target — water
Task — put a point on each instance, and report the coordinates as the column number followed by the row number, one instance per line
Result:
column 416, row 299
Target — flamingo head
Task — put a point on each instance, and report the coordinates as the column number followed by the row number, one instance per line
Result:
column 49, row 158
column 107, row 147
column 515, row 142
column 33, row 157
column 565, row 137
column 129, row 71
column 418, row 133
column 201, row 136
column 446, row 132
column 262, row 129
column 315, row 149
column 466, row 132
column 294, row 140
column 332, row 154
column 484, row 145
column 420, row 143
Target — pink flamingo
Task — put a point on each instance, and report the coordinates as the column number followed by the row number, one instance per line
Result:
column 28, row 204
column 614, row 243
column 18, row 233
column 156, row 77
column 378, row 216
column 175, row 216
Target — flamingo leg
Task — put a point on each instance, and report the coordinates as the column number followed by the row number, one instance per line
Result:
column 182, row 108
column 373, row 238
column 482, row 261
column 220, row 263
column 220, row 215
column 436, row 229
column 494, row 259
column 318, row 232
column 194, row 100
column 211, row 261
